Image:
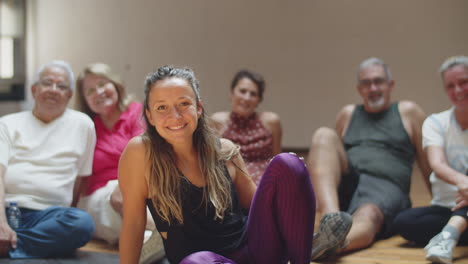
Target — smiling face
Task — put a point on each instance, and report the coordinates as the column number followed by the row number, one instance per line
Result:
column 375, row 88
column 51, row 93
column 456, row 86
column 173, row 110
column 245, row 97
column 100, row 94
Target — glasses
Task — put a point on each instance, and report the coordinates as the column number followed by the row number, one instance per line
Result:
column 367, row 83
column 50, row 84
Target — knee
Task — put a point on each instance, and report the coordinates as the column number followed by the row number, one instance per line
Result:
column 205, row 257
column 289, row 164
column 324, row 135
column 399, row 221
column 195, row 257
column 290, row 173
column 403, row 225
column 116, row 200
column 85, row 223
column 80, row 222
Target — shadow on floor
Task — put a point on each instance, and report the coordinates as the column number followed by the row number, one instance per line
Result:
column 80, row 257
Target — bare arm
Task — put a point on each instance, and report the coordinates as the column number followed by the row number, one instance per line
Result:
column 436, row 156
column 462, row 198
column 442, row 169
column 7, row 235
column 413, row 117
column 134, row 190
column 272, row 122
column 243, row 183
column 219, row 122
column 343, row 118
column 79, row 189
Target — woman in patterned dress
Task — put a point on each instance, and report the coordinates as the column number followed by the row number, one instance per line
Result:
column 257, row 133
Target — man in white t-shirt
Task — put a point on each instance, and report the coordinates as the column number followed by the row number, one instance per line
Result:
column 44, row 153
column 445, row 139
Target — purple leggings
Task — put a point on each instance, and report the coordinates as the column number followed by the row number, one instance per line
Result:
column 281, row 218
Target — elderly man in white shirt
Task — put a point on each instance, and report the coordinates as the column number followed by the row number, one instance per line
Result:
column 44, row 153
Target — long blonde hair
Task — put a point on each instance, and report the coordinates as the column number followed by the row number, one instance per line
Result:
column 105, row 71
column 164, row 177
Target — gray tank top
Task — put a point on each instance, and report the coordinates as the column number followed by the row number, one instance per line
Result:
column 378, row 145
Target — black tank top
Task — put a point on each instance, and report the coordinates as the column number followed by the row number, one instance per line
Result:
column 200, row 231
column 378, row 145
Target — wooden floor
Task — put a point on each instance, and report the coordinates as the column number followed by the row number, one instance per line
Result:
column 395, row 250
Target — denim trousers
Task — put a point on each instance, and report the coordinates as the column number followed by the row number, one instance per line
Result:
column 53, row 232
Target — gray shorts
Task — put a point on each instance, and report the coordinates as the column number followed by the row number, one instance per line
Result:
column 358, row 189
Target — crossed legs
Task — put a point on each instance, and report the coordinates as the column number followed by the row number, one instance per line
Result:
column 55, row 231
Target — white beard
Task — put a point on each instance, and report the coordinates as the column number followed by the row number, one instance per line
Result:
column 377, row 104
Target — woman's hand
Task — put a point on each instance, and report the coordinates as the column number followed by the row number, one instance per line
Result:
column 462, row 196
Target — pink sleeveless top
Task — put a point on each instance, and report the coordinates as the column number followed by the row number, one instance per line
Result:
column 255, row 141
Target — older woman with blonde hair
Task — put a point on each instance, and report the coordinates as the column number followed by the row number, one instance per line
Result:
column 117, row 119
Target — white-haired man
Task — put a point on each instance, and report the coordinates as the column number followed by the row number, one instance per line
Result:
column 43, row 155
column 362, row 170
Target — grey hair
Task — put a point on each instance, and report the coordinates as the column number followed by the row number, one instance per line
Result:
column 61, row 64
column 452, row 62
column 374, row 61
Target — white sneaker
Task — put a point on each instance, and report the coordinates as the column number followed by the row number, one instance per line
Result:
column 439, row 249
column 153, row 249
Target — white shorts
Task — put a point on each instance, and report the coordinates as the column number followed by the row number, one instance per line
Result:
column 107, row 221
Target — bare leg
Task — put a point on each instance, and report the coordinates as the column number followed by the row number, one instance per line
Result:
column 326, row 163
column 367, row 222
column 458, row 222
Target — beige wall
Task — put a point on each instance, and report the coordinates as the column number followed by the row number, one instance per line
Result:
column 307, row 50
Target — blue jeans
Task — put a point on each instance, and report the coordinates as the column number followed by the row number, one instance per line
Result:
column 56, row 231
